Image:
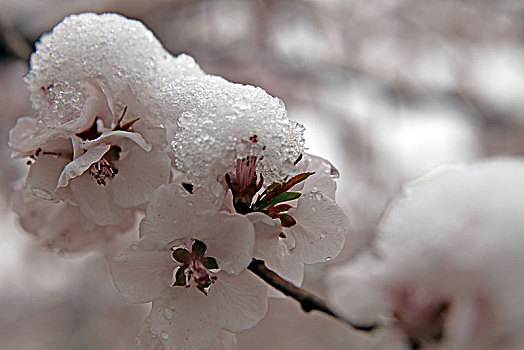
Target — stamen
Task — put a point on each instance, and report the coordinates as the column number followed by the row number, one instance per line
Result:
column 245, row 171
column 102, row 171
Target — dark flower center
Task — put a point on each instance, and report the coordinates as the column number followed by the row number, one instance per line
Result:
column 105, row 170
column 196, row 266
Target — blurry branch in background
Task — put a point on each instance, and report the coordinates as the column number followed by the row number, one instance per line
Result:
column 15, row 44
column 308, row 301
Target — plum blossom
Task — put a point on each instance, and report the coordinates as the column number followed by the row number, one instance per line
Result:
column 98, row 162
column 295, row 223
column 191, row 263
column 446, row 270
column 98, row 85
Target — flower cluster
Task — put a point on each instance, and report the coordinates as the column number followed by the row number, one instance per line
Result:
column 122, row 126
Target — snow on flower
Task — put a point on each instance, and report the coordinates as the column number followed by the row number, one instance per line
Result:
column 191, row 263
column 240, row 137
column 237, row 138
column 224, row 122
column 86, row 46
column 447, row 267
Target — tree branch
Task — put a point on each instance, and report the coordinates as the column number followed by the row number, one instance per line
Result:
column 307, row 300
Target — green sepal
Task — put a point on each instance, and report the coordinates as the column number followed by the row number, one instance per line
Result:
column 270, row 188
column 283, row 197
column 276, row 190
column 281, row 208
column 199, row 247
column 295, row 180
column 180, row 276
column 180, row 255
column 287, row 220
column 210, row 263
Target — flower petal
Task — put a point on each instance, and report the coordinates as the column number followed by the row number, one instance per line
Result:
column 185, row 318
column 144, row 270
column 43, row 176
column 28, row 134
column 240, row 301
column 275, row 250
column 171, row 211
column 79, row 165
column 115, row 137
column 320, row 230
column 324, row 178
column 230, row 239
column 139, row 174
column 96, row 202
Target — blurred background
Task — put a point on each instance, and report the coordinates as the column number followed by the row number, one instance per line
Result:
column 387, row 89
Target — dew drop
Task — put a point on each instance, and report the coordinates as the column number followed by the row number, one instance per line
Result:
column 334, row 172
column 190, row 203
column 329, row 258
column 164, row 335
column 318, row 196
column 168, row 314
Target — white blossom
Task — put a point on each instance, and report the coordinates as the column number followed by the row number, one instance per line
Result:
column 295, row 223
column 98, row 162
column 447, row 266
column 191, row 263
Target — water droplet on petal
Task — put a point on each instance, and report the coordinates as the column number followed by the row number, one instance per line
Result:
column 329, row 258
column 168, row 314
column 334, row 172
column 164, row 335
column 190, row 203
column 318, row 196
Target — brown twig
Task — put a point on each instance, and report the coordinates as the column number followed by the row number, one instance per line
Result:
column 307, row 300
